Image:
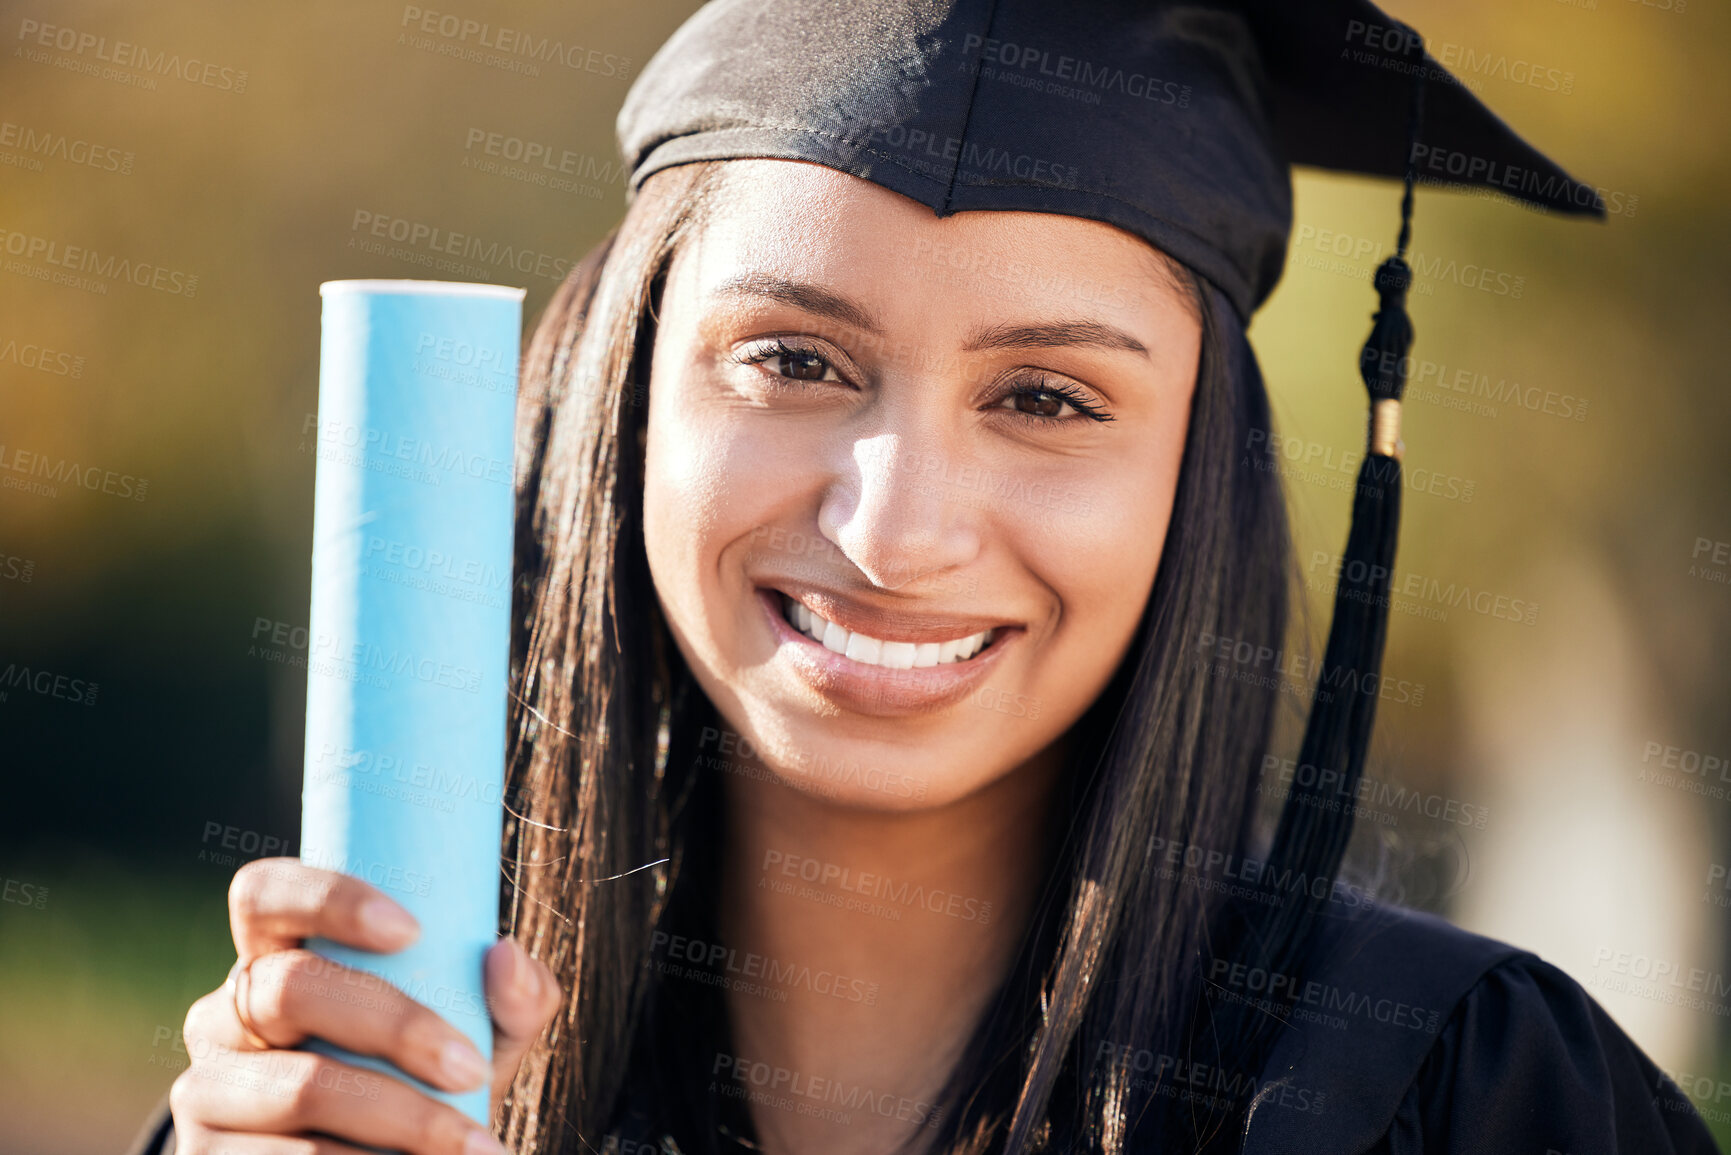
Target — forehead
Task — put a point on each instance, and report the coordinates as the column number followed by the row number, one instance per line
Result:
column 809, row 219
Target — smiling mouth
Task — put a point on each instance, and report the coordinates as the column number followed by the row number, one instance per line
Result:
column 872, row 651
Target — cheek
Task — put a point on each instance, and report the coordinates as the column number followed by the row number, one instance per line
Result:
column 713, row 478
column 686, row 496
column 1099, row 547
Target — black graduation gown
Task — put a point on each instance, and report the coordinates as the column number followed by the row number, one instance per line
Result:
column 1414, row 1037
column 1425, row 1039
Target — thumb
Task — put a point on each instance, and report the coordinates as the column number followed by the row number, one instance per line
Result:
column 523, row 997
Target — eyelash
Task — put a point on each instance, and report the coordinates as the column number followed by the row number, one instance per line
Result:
column 773, row 347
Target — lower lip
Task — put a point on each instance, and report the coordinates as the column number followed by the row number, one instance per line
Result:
column 868, row 689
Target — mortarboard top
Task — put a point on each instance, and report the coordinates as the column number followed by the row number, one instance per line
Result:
column 1175, row 121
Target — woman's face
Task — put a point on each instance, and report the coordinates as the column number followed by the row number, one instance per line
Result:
column 947, row 448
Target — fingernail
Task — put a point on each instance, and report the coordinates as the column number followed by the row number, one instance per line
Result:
column 530, row 976
column 387, row 920
column 482, row 1143
column 505, row 966
column 463, row 1064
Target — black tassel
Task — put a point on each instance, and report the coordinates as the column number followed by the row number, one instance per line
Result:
column 1311, row 838
column 1316, row 820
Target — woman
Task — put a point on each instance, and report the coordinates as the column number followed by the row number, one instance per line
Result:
column 883, row 789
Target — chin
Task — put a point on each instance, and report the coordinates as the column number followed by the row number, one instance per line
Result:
column 885, row 765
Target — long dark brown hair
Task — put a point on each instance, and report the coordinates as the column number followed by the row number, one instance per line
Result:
column 607, row 774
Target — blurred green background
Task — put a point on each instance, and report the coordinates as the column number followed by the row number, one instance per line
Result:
column 163, row 747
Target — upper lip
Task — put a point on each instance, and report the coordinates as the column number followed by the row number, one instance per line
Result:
column 885, row 624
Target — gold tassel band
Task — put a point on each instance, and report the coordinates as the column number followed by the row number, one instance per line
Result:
column 1385, row 428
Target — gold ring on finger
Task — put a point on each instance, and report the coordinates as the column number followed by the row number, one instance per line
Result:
column 240, row 988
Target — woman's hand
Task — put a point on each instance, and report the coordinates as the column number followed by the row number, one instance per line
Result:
column 239, row 1099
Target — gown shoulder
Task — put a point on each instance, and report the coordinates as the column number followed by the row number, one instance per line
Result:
column 1415, row 1037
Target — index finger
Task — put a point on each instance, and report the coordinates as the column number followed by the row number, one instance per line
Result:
column 274, row 903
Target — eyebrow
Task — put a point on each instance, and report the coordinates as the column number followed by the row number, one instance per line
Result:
column 1055, row 333
column 811, row 298
column 823, row 302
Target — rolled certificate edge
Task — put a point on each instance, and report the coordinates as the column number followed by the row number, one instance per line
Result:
column 408, row 652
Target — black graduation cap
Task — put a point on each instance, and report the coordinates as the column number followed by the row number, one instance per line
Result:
column 1177, row 121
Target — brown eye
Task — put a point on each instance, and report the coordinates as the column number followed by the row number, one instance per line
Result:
column 1047, row 399
column 1039, row 403
column 801, row 365
column 782, row 359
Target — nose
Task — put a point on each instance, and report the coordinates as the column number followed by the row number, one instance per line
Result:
column 897, row 515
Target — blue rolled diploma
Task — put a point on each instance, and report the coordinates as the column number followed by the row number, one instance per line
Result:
column 408, row 655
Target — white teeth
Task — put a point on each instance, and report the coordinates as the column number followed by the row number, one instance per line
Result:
column 863, row 649
column 898, row 655
column 876, row 652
